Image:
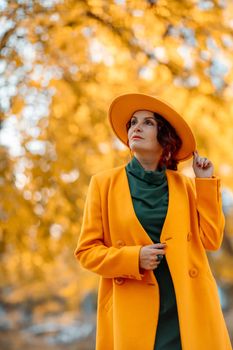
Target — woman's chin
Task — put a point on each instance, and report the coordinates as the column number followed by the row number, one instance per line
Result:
column 136, row 149
column 139, row 149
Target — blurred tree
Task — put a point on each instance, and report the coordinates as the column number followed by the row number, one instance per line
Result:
column 61, row 63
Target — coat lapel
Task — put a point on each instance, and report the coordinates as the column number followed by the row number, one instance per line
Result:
column 135, row 224
column 169, row 223
column 169, row 227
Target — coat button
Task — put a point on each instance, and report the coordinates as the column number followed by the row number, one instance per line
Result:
column 120, row 243
column 119, row 280
column 193, row 272
column 189, row 236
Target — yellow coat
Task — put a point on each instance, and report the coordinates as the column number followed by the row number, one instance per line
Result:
column 128, row 302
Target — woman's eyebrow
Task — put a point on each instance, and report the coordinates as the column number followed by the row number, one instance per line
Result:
column 134, row 116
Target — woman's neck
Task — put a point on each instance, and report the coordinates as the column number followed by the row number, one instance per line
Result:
column 148, row 163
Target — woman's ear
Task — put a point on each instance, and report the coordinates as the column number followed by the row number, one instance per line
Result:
column 168, row 156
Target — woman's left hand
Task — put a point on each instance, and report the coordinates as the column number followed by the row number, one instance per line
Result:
column 202, row 167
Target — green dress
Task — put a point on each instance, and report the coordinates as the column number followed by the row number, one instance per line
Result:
column 149, row 192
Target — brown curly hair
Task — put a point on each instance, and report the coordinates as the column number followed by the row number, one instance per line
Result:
column 168, row 139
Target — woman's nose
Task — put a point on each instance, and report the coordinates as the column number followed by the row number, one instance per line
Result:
column 137, row 127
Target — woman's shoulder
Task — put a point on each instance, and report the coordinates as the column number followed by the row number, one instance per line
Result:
column 181, row 177
column 109, row 173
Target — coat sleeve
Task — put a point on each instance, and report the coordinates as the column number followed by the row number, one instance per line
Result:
column 91, row 251
column 209, row 207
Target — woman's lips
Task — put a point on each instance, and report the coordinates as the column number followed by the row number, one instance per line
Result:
column 136, row 138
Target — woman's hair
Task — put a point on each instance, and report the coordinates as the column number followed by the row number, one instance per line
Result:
column 168, row 139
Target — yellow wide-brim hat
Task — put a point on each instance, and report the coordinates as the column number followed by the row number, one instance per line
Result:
column 123, row 107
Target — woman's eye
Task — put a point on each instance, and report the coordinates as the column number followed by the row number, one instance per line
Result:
column 133, row 122
column 147, row 122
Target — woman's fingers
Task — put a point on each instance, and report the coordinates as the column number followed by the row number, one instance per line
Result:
column 201, row 162
column 154, row 264
column 157, row 245
column 151, row 255
column 202, row 166
column 159, row 249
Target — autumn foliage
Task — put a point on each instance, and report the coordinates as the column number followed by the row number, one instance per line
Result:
column 61, row 64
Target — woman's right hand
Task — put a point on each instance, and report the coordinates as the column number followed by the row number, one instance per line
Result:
column 148, row 255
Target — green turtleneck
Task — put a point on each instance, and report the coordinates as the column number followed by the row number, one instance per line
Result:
column 149, row 192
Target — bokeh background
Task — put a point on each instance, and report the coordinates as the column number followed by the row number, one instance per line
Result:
column 61, row 64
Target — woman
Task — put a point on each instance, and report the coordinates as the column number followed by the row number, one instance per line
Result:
column 145, row 231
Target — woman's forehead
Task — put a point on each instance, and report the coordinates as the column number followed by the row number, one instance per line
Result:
column 143, row 114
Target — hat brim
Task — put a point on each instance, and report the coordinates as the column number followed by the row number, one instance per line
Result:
column 123, row 107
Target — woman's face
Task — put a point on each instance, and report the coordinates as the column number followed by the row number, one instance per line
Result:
column 142, row 134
